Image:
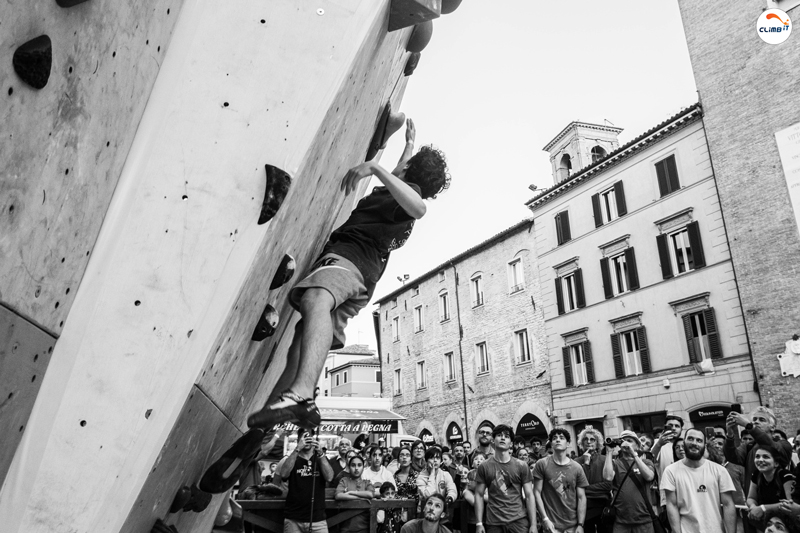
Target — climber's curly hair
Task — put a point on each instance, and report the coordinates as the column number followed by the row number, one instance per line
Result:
column 428, row 169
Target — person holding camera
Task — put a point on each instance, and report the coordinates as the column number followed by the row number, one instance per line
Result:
column 307, row 471
column 631, row 474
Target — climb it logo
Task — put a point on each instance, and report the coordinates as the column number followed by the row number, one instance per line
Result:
column 774, row 26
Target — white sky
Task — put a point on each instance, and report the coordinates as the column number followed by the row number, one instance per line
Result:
column 500, row 79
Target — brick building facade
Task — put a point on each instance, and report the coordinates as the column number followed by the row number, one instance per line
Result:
column 749, row 91
column 464, row 343
column 640, row 302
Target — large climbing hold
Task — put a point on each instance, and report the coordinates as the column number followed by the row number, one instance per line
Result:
column 182, row 498
column 448, row 6
column 388, row 124
column 32, row 61
column 420, row 37
column 405, row 13
column 278, row 183
column 267, row 324
column 69, row 3
column 411, row 64
column 226, row 471
column 284, row 273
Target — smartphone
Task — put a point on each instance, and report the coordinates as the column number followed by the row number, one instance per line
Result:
column 710, row 434
column 736, row 408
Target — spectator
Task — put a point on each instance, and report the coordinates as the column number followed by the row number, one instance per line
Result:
column 467, row 447
column 777, row 524
column 390, row 520
column 510, row 507
column 663, row 454
column 559, row 487
column 519, row 443
column 646, row 442
column 718, row 443
column 536, row 448
column 631, row 474
column 433, row 509
column 737, row 476
column 343, row 473
column 405, row 478
column 770, row 484
column 598, row 490
column 459, row 455
column 678, row 449
column 720, row 431
column 340, row 464
column 523, row 455
column 484, row 442
column 695, row 490
column 449, row 467
column 377, row 473
column 307, row 471
column 433, row 479
column 760, row 425
column 469, row 493
column 268, row 477
column 354, row 487
column 746, row 438
column 418, row 456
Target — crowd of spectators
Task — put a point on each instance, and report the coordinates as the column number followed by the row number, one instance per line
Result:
column 739, row 478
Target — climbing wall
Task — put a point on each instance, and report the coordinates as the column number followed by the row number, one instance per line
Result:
column 154, row 232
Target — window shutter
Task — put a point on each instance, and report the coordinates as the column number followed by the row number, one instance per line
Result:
column 663, row 256
column 598, row 216
column 661, row 173
column 633, row 272
column 559, row 232
column 672, row 174
column 713, row 335
column 687, row 329
column 619, row 193
column 644, row 351
column 696, row 245
column 567, row 366
column 559, row 297
column 607, row 288
column 581, row 299
column 619, row 370
column 587, row 353
column 565, row 231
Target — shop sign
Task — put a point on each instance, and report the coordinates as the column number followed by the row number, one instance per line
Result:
column 454, row 432
column 426, row 437
column 352, row 426
column 713, row 412
column 530, row 426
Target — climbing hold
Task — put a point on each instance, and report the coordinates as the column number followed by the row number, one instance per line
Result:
column 32, row 61
column 278, row 183
column 226, row 471
column 225, row 513
column 198, row 501
column 266, row 324
column 182, row 497
column 388, row 124
column 284, row 273
column 448, row 6
column 161, row 527
column 69, row 3
column 420, row 36
column 411, row 64
column 405, row 13
column 236, row 520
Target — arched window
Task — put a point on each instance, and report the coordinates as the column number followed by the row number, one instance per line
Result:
column 566, row 163
column 598, row 152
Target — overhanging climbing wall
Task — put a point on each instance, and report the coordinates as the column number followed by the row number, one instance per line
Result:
column 154, row 370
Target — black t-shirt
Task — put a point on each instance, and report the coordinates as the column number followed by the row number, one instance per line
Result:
column 298, row 500
column 770, row 492
column 376, row 226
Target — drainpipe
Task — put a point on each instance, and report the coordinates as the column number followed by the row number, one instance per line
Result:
column 376, row 324
column 461, row 356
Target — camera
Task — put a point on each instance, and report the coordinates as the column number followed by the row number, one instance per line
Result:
column 613, row 443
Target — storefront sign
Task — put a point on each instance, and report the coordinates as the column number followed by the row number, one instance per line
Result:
column 454, row 432
column 713, row 412
column 530, row 426
column 426, row 437
column 364, row 426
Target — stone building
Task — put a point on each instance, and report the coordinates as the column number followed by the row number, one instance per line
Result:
column 464, row 343
column 641, row 308
column 749, row 90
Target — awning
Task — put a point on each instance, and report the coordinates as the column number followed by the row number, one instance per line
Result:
column 353, row 420
column 358, row 414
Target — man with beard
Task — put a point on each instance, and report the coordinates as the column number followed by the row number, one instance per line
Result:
column 484, row 443
column 695, row 489
column 505, row 479
column 433, row 509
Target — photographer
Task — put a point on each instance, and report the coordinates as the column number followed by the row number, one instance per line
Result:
column 633, row 507
column 307, row 471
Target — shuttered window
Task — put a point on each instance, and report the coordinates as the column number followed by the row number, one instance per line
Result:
column 702, row 338
column 609, row 204
column 630, row 352
column 667, row 174
column 680, row 251
column 578, row 364
column 569, row 292
column 563, row 233
column 619, row 273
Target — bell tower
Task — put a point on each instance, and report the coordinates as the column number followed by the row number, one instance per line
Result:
column 579, row 145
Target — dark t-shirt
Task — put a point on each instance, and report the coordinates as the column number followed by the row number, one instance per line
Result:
column 376, row 226
column 504, row 483
column 298, row 499
column 560, row 490
column 630, row 505
column 770, row 492
column 415, row 526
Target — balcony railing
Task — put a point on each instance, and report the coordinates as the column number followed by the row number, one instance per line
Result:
column 518, row 287
column 478, row 301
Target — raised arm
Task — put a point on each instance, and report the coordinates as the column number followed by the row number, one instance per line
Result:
column 408, row 151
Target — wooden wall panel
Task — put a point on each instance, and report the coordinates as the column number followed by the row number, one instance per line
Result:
column 64, row 145
column 24, row 355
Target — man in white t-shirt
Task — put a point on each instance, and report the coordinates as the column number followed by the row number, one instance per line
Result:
column 695, row 489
